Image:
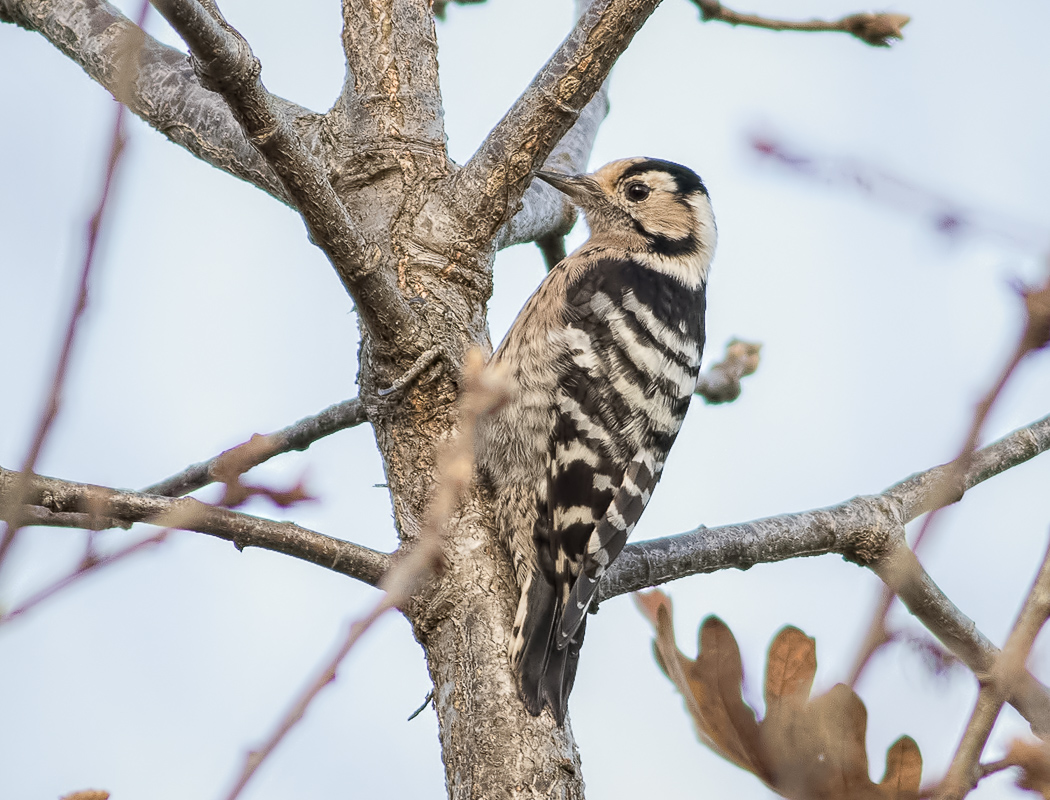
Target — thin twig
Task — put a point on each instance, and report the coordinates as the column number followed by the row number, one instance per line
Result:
column 878, row 30
column 484, row 391
column 116, row 145
column 413, row 372
column 426, row 702
column 299, row 436
column 298, row 709
column 946, row 488
column 88, row 567
column 965, row 771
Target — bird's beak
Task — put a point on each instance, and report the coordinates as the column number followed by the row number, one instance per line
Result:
column 580, row 188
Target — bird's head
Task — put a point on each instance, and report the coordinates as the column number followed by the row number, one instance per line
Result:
column 645, row 205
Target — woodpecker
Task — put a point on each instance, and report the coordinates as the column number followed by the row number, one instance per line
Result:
column 604, row 357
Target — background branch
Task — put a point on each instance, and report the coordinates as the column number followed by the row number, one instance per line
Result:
column 877, row 30
column 721, row 382
column 127, row 47
column 945, row 484
column 545, row 212
column 90, row 565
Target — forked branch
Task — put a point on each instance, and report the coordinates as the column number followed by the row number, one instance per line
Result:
column 868, row 530
column 1009, row 669
column 226, row 64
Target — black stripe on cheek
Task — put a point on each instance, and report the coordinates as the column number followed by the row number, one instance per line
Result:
column 673, row 248
column 665, row 245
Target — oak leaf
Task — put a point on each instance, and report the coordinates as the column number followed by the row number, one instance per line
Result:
column 805, row 748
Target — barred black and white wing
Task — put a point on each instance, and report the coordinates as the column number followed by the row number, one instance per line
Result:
column 630, row 351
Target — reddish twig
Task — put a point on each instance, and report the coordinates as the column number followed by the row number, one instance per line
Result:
column 298, row 709
column 117, row 141
column 88, row 566
column 965, row 770
column 947, row 216
column 878, row 30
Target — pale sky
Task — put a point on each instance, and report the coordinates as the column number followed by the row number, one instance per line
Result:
column 153, row 679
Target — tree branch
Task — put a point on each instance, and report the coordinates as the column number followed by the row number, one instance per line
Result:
column 877, row 30
column 299, row 436
column 226, row 64
column 186, row 513
column 868, row 530
column 851, row 529
column 390, row 93
column 487, row 190
column 165, row 94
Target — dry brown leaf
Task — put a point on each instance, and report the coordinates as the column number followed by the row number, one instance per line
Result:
column 903, row 771
column 711, row 685
column 1034, row 760
column 87, row 794
column 806, row 748
column 790, row 666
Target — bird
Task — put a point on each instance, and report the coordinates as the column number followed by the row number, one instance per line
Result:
column 604, row 359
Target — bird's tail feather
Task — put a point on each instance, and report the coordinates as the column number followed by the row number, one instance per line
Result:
column 545, row 671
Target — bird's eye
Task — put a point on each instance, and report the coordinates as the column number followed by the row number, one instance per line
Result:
column 637, row 192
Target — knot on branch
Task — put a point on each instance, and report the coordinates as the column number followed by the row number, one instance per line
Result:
column 230, row 66
column 874, row 527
